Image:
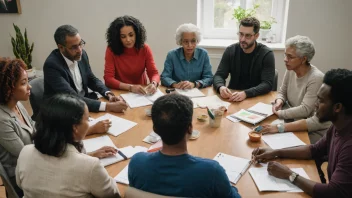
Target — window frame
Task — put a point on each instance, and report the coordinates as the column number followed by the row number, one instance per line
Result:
column 206, row 20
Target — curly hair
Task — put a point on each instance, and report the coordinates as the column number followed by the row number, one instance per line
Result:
column 113, row 33
column 10, row 73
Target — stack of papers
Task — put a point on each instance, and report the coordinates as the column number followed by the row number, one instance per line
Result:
column 253, row 115
column 118, row 125
column 122, row 177
column 266, row 182
column 191, row 93
column 235, row 167
column 282, row 140
column 96, row 143
column 137, row 100
column 212, row 102
column 152, row 138
column 247, row 116
column 262, row 109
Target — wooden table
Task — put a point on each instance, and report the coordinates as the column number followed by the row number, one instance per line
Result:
column 230, row 138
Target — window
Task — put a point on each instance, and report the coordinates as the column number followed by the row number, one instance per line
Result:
column 217, row 22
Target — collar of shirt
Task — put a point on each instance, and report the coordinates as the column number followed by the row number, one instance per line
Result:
column 195, row 54
column 69, row 62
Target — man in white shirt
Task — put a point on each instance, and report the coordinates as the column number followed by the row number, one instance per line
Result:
column 67, row 70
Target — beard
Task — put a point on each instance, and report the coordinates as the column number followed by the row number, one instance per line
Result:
column 75, row 57
column 246, row 45
column 328, row 116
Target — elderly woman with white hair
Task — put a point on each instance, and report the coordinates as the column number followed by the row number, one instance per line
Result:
column 301, row 82
column 188, row 66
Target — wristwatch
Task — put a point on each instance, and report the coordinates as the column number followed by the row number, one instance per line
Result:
column 292, row 177
column 281, row 127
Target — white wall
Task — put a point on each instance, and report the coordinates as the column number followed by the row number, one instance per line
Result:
column 326, row 22
column 92, row 18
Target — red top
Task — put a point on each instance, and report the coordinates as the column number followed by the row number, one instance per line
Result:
column 131, row 67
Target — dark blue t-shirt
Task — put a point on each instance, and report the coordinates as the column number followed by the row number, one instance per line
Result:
column 182, row 176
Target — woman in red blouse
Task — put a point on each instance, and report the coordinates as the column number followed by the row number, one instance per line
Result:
column 128, row 59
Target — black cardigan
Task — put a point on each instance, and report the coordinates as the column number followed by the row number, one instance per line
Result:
column 262, row 70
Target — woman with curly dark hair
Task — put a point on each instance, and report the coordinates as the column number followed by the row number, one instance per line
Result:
column 16, row 125
column 128, row 59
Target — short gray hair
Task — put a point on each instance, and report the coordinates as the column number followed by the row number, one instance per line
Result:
column 187, row 27
column 303, row 45
column 61, row 33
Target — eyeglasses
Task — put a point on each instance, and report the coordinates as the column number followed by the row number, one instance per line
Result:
column 289, row 57
column 246, row 36
column 76, row 47
column 192, row 42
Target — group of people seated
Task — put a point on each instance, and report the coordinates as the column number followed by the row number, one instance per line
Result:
column 46, row 158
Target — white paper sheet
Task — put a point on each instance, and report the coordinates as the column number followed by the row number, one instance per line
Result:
column 118, row 125
column 282, row 140
column 137, row 100
column 262, row 108
column 212, row 102
column 266, row 182
column 122, row 177
column 96, row 143
column 192, row 93
column 234, row 166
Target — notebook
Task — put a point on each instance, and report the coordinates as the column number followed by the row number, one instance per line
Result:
column 137, row 100
column 118, row 125
column 282, row 140
column 235, row 167
column 191, row 93
column 122, row 177
column 266, row 182
column 255, row 114
column 94, row 144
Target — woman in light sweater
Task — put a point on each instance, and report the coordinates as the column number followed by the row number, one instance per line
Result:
column 55, row 165
column 298, row 94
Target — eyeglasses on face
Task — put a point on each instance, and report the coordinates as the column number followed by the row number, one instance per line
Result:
column 76, row 47
column 246, row 36
column 192, row 42
column 289, row 57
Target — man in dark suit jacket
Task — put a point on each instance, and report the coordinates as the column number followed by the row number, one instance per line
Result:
column 67, row 70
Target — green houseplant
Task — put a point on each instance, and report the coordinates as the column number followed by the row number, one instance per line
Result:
column 240, row 13
column 266, row 25
column 21, row 47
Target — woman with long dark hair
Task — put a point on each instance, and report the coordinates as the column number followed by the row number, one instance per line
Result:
column 55, row 165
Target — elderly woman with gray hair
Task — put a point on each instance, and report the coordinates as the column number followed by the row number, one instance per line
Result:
column 301, row 83
column 188, row 66
column 298, row 94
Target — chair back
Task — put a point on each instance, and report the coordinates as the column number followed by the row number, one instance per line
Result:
column 136, row 193
column 275, row 80
column 11, row 193
column 37, row 93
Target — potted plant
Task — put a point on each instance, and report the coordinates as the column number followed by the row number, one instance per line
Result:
column 22, row 49
column 265, row 27
column 240, row 13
